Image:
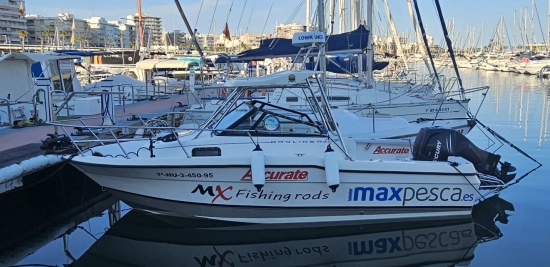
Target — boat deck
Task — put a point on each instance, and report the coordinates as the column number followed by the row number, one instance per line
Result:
column 19, row 144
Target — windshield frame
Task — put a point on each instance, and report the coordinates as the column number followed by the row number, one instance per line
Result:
column 260, row 113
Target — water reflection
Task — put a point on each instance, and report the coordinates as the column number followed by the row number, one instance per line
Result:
column 144, row 239
column 515, row 101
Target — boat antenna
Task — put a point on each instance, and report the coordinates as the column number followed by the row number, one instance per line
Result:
column 449, row 46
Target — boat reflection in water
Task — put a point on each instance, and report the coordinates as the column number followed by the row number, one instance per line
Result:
column 145, row 239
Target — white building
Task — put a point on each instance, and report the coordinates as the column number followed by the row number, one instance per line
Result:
column 152, row 27
column 288, row 30
column 128, row 32
column 111, row 34
column 11, row 21
column 57, row 31
column 206, row 41
column 252, row 40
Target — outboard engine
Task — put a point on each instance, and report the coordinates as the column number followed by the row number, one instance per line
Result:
column 437, row 144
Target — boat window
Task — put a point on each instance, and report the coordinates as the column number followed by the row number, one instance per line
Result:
column 234, row 116
column 338, row 98
column 292, row 99
column 263, row 119
column 206, row 152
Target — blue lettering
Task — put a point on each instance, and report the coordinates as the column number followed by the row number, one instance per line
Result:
column 407, row 194
column 371, row 193
column 378, row 246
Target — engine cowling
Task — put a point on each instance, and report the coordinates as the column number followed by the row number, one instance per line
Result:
column 438, row 143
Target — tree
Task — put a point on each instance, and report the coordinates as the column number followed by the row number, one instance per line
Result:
column 133, row 44
column 42, row 37
column 121, row 36
column 22, row 35
column 105, row 41
column 63, row 35
column 47, row 33
column 81, row 39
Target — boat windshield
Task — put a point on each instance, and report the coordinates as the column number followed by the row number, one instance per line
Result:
column 263, row 119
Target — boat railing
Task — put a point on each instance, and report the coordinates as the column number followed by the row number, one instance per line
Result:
column 107, row 134
column 156, row 83
column 6, row 102
column 121, row 88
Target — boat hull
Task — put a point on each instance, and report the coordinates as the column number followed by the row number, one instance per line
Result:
column 292, row 193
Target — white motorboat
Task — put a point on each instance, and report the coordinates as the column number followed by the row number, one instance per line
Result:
column 254, row 164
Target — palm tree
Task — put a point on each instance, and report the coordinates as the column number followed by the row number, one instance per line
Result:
column 121, row 36
column 22, row 35
column 47, row 33
column 63, row 35
column 133, row 44
column 41, row 37
column 81, row 39
column 105, row 41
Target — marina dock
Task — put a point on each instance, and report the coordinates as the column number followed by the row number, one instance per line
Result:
column 23, row 144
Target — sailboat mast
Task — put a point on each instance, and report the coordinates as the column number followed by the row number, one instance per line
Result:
column 140, row 23
column 321, row 28
column 308, row 13
column 370, row 51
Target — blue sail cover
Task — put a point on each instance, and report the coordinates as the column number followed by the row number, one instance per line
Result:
column 349, row 42
column 81, row 53
column 347, row 64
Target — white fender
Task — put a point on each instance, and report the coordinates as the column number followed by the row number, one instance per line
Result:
column 332, row 172
column 10, row 172
column 257, row 167
column 53, row 159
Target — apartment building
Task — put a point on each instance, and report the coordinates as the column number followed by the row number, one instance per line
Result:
column 288, row 30
column 57, row 31
column 152, row 27
column 11, row 21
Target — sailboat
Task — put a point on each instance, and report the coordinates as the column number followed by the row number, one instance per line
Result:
column 418, row 102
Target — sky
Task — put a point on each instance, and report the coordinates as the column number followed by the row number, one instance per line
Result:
column 257, row 16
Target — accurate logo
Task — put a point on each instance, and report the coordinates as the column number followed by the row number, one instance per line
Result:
column 296, row 175
column 387, row 150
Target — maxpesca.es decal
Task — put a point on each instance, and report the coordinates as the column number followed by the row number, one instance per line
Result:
column 408, row 194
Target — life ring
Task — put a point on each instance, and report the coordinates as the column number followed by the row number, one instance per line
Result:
column 130, row 59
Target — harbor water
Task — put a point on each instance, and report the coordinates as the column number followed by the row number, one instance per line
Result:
column 99, row 230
